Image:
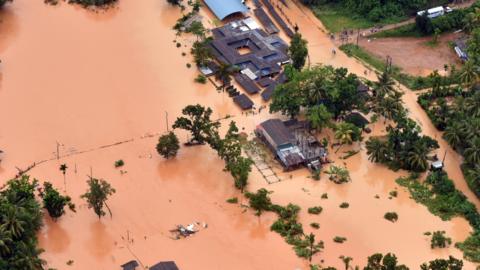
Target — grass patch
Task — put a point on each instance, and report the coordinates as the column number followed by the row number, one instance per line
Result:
column 336, row 18
column 408, row 30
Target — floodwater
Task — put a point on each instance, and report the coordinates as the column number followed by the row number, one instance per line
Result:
column 81, row 80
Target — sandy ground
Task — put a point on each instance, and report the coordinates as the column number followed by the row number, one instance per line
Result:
column 414, row 55
column 86, row 79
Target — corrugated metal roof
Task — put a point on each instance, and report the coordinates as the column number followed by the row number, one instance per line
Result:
column 224, row 8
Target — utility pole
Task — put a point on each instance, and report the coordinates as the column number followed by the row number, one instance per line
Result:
column 358, row 35
column 166, row 119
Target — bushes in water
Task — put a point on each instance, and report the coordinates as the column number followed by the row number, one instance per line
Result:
column 97, row 3
column 315, row 210
column 391, row 216
column 443, row 201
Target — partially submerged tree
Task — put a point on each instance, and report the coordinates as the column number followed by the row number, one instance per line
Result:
column 240, row 168
column 168, row 145
column 54, row 202
column 197, row 120
column 298, row 51
column 259, row 201
column 97, row 195
column 441, row 264
column 3, row 2
column 379, row 262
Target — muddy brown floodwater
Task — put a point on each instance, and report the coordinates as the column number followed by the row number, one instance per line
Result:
column 81, row 79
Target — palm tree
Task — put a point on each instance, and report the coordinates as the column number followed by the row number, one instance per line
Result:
column 385, row 85
column 417, row 159
column 469, row 74
column 472, row 105
column 346, row 260
column 344, row 134
column 472, row 152
column 63, row 169
column 453, row 135
column 5, row 241
column 12, row 222
column 475, row 173
column 376, row 150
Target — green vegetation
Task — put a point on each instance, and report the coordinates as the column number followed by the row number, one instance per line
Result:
column 344, row 205
column 232, row 200
column 335, row 18
column 442, row 264
column 20, row 219
column 404, row 147
column 439, row 240
column 338, row 175
column 168, row 145
column 197, row 121
column 201, row 79
column 391, row 216
column 339, row 239
column 298, row 51
column 315, row 210
column 407, row 30
column 259, row 201
column 324, row 196
column 335, row 89
column 439, row 195
column 119, row 163
column 54, row 202
column 379, row 262
column 97, row 195
column 393, row 193
column 98, row 3
column 315, row 225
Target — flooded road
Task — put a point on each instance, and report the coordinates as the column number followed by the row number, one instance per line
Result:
column 81, row 79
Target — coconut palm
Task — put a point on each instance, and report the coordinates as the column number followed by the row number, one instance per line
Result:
column 5, row 241
column 12, row 222
column 377, row 150
column 472, row 152
column 472, row 105
column 417, row 159
column 346, row 261
column 469, row 74
column 385, row 85
column 453, row 135
column 344, row 133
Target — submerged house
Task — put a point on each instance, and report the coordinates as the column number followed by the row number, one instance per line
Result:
column 461, row 49
column 282, row 142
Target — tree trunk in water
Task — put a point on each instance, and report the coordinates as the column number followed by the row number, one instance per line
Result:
column 109, row 211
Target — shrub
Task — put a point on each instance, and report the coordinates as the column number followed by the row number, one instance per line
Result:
column 315, row 225
column 232, row 200
column 324, row 196
column 439, row 240
column 201, row 79
column 315, row 210
column 339, row 239
column 119, row 163
column 344, row 205
column 168, row 145
column 391, row 216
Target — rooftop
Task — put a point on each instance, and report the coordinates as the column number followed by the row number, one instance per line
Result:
column 225, row 8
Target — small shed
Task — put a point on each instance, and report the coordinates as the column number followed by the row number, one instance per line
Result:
column 224, row 8
column 243, row 101
column 276, row 133
column 131, row 265
column 170, row 265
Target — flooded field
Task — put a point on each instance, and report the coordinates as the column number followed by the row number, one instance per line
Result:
column 81, row 80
